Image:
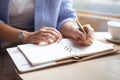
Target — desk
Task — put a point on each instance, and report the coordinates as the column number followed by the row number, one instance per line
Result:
column 101, row 68
column 106, row 68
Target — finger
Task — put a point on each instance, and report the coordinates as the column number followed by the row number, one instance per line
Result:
column 79, row 35
column 51, row 31
column 56, row 31
column 50, row 28
column 49, row 36
column 89, row 30
column 84, row 43
column 38, row 39
column 56, row 35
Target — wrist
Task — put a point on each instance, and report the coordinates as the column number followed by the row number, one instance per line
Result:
column 23, row 37
column 70, row 28
column 26, row 38
column 20, row 37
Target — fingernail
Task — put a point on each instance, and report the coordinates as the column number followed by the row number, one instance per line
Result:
column 42, row 43
column 51, row 40
column 58, row 40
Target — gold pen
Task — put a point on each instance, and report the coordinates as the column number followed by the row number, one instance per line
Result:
column 82, row 29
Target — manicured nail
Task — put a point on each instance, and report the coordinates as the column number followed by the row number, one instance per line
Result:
column 42, row 43
column 51, row 40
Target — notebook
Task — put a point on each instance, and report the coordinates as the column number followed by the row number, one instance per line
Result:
column 66, row 48
column 21, row 63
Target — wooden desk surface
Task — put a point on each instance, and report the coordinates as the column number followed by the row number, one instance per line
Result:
column 102, row 68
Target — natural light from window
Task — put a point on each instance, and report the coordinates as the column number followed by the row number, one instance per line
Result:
column 109, row 7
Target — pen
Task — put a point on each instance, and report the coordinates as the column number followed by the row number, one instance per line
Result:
column 81, row 28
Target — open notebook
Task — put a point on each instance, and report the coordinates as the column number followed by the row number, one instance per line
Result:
column 67, row 48
column 29, row 57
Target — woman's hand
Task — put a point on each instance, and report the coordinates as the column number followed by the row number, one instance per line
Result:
column 81, row 38
column 71, row 30
column 44, row 35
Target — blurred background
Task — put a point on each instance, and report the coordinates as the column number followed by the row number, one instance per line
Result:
column 97, row 12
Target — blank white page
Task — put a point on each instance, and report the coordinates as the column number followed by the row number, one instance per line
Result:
column 37, row 54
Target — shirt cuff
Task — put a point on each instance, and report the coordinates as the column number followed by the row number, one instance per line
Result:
column 66, row 20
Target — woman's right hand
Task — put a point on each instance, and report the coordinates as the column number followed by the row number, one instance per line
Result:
column 44, row 35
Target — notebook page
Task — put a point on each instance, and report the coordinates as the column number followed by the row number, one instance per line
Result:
column 21, row 63
column 37, row 54
column 95, row 48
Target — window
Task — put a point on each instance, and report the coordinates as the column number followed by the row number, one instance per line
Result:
column 108, row 7
column 97, row 12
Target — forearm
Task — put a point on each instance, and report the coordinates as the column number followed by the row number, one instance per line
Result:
column 8, row 33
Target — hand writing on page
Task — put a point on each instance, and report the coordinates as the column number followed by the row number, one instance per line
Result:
column 87, row 39
column 71, row 29
column 80, row 37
